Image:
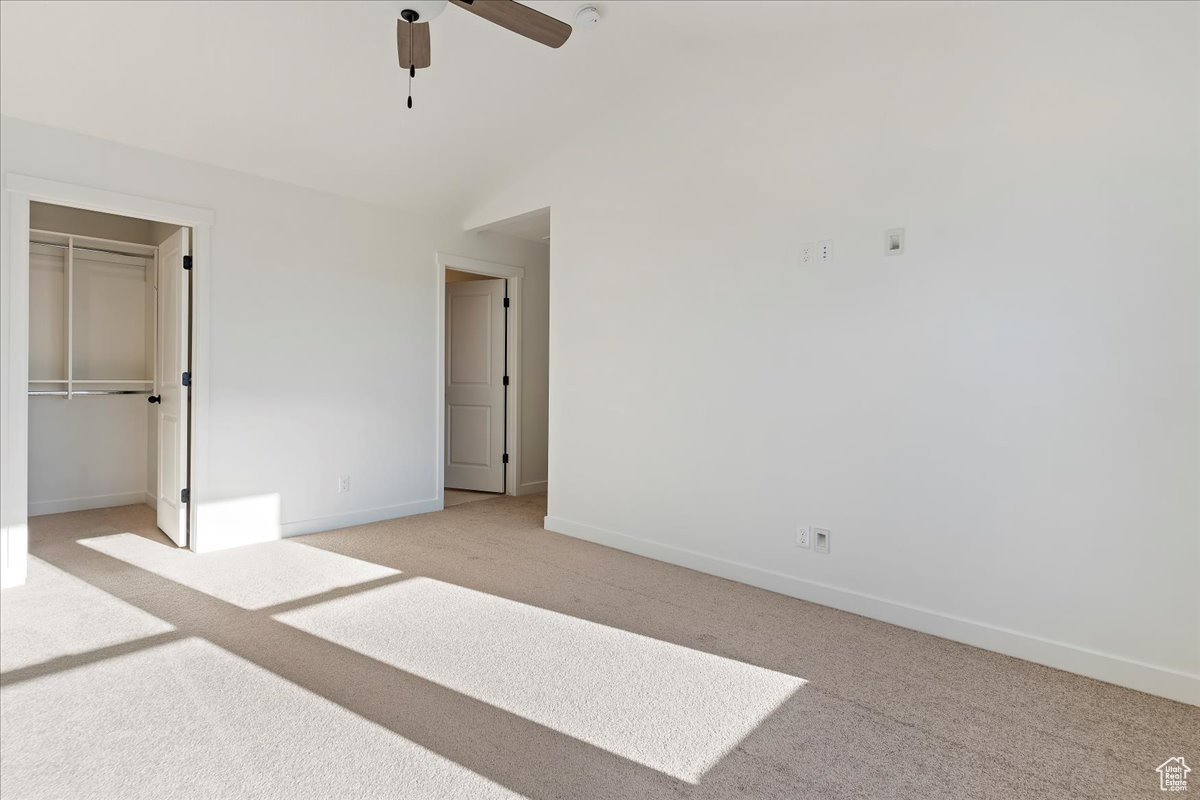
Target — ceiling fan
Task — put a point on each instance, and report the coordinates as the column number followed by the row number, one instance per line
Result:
column 412, row 29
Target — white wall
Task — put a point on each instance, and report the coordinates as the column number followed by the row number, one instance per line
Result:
column 1000, row 427
column 535, row 372
column 323, row 332
column 87, row 452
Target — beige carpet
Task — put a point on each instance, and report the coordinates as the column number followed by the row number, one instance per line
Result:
column 471, row 654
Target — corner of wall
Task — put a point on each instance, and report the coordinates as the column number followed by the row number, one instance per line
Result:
column 14, row 555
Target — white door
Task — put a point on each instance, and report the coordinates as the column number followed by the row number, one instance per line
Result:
column 475, row 328
column 173, row 317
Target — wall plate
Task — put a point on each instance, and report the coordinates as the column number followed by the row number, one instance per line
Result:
column 803, row 538
column 821, row 540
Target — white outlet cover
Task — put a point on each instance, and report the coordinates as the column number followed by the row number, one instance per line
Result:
column 821, row 540
column 893, row 241
column 808, row 253
column 802, row 537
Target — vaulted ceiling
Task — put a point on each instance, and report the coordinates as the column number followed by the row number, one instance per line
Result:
column 310, row 92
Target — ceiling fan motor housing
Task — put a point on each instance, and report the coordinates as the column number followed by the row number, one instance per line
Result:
column 424, row 10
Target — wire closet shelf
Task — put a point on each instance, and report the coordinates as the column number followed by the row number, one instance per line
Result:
column 71, row 244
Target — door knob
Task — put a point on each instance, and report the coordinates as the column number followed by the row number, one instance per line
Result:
column 154, row 398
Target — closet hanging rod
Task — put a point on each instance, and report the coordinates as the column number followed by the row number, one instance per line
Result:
column 85, row 392
column 93, row 249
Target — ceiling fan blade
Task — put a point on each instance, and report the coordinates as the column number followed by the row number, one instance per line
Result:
column 416, row 33
column 519, row 19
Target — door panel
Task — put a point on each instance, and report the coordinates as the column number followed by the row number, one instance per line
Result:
column 475, row 328
column 470, row 332
column 470, row 439
column 173, row 317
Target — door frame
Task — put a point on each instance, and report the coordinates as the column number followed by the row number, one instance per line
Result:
column 512, row 422
column 18, row 192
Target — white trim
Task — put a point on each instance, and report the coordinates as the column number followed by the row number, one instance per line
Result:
column 19, row 191
column 14, row 386
column 515, row 277
column 1173, row 684
column 14, row 555
column 45, row 507
column 91, row 199
column 533, row 487
column 352, row 518
column 201, row 302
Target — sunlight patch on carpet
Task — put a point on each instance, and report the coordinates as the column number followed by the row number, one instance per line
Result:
column 55, row 615
column 671, row 708
column 189, row 719
column 254, row 576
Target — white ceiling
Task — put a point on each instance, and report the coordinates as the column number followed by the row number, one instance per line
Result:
column 310, row 92
column 534, row 226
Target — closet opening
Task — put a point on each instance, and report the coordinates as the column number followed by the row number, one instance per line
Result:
column 109, row 364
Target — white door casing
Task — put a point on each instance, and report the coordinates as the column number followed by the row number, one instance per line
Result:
column 172, row 356
column 16, row 193
column 475, row 413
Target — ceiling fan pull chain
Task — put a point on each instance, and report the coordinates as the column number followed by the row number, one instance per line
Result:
column 412, row 67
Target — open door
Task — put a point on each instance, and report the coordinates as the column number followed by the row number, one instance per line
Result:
column 475, row 423
column 172, row 381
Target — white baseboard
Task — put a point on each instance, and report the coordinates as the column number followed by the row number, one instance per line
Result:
column 84, row 503
column 151, row 500
column 319, row 524
column 1168, row 683
column 533, row 487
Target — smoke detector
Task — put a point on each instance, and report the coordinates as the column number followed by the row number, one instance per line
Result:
column 587, row 16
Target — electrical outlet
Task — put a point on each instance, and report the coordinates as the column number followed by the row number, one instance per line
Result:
column 893, row 241
column 825, row 251
column 821, row 538
column 808, row 253
column 343, row 484
column 802, row 537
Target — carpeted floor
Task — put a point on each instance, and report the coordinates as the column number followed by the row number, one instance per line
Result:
column 469, row 653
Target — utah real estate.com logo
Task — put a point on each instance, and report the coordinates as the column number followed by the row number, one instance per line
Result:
column 1172, row 775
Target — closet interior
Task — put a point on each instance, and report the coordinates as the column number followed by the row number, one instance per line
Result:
column 93, row 342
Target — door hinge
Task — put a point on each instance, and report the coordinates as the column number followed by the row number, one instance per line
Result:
column 185, row 496
column 506, row 302
column 506, row 380
column 504, row 459
column 187, row 379
column 187, row 262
